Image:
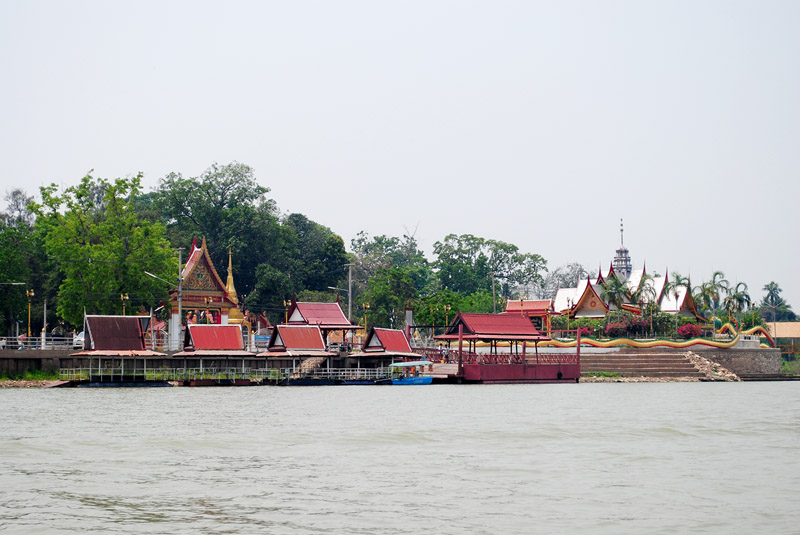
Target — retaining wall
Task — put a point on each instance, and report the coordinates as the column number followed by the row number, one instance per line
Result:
column 739, row 361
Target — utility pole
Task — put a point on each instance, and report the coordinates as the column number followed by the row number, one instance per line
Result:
column 349, row 292
column 494, row 299
column 177, row 342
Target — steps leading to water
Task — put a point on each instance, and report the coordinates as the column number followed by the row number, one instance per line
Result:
column 639, row 364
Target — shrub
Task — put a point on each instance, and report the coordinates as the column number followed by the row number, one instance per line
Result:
column 690, row 330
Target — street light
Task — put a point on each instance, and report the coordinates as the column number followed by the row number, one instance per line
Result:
column 286, row 304
column 446, row 315
column 677, row 310
column 30, row 295
column 123, row 298
column 366, row 307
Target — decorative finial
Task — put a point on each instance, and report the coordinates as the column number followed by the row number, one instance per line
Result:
column 621, row 231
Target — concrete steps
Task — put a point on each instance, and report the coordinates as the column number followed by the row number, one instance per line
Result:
column 640, row 364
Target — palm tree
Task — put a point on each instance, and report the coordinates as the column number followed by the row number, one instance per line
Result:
column 737, row 300
column 645, row 294
column 720, row 284
column 704, row 295
column 614, row 292
column 773, row 297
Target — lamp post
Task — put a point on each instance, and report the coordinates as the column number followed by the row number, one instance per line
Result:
column 123, row 298
column 569, row 310
column 286, row 304
column 366, row 307
column 30, row 295
column 447, row 315
column 677, row 310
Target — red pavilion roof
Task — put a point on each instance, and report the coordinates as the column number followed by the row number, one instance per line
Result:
column 389, row 340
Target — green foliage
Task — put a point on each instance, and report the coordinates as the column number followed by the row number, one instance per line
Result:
column 318, row 255
column 31, row 375
column 93, row 235
column 387, row 294
column 601, row 374
column 790, row 367
column 467, row 264
column 230, row 209
column 773, row 307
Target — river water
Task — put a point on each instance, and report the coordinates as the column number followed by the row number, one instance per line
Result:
column 570, row 458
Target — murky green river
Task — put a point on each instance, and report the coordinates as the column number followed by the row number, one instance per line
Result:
column 580, row 458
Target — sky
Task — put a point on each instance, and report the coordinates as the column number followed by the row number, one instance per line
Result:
column 541, row 124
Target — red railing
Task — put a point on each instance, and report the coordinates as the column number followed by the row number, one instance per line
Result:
column 435, row 355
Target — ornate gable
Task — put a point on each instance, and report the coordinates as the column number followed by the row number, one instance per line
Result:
column 589, row 304
column 199, row 272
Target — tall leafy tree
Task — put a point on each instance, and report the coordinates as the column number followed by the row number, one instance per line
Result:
column 17, row 258
column 614, row 291
column 566, row 276
column 467, row 263
column 92, row 233
column 773, row 306
column 227, row 206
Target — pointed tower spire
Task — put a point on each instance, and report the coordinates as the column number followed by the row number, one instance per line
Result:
column 229, row 287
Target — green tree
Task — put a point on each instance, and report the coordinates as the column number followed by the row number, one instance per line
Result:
column 371, row 255
column 92, row 233
column 773, row 306
column 614, row 292
column 17, row 258
column 737, row 300
column 227, row 206
column 388, row 293
column 467, row 263
column 566, row 276
column 318, row 255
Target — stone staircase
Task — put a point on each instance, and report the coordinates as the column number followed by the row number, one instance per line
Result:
column 655, row 365
column 307, row 365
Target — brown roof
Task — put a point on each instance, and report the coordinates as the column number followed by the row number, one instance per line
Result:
column 493, row 327
column 529, row 306
column 323, row 315
column 116, row 333
column 784, row 329
column 119, row 336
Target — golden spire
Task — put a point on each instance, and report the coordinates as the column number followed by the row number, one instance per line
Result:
column 229, row 287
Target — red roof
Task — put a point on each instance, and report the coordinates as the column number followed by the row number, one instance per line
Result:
column 529, row 306
column 324, row 315
column 494, row 327
column 116, row 333
column 211, row 337
column 296, row 337
column 390, row 340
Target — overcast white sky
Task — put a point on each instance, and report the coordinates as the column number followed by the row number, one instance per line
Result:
column 535, row 123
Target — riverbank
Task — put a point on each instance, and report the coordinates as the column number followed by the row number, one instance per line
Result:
column 27, row 383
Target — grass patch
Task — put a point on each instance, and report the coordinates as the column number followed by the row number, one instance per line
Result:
column 600, row 374
column 31, row 375
column 790, row 367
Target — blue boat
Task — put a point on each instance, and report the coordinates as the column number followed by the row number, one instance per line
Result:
column 416, row 372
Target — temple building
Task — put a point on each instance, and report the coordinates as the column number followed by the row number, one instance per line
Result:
column 204, row 297
column 622, row 264
column 585, row 300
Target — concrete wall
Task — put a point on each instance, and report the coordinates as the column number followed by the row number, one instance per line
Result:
column 746, row 361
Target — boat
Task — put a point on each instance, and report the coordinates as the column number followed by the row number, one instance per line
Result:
column 415, row 372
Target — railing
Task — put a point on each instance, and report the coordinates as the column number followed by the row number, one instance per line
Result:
column 171, row 374
column 468, row 357
column 345, row 374
column 50, row 342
